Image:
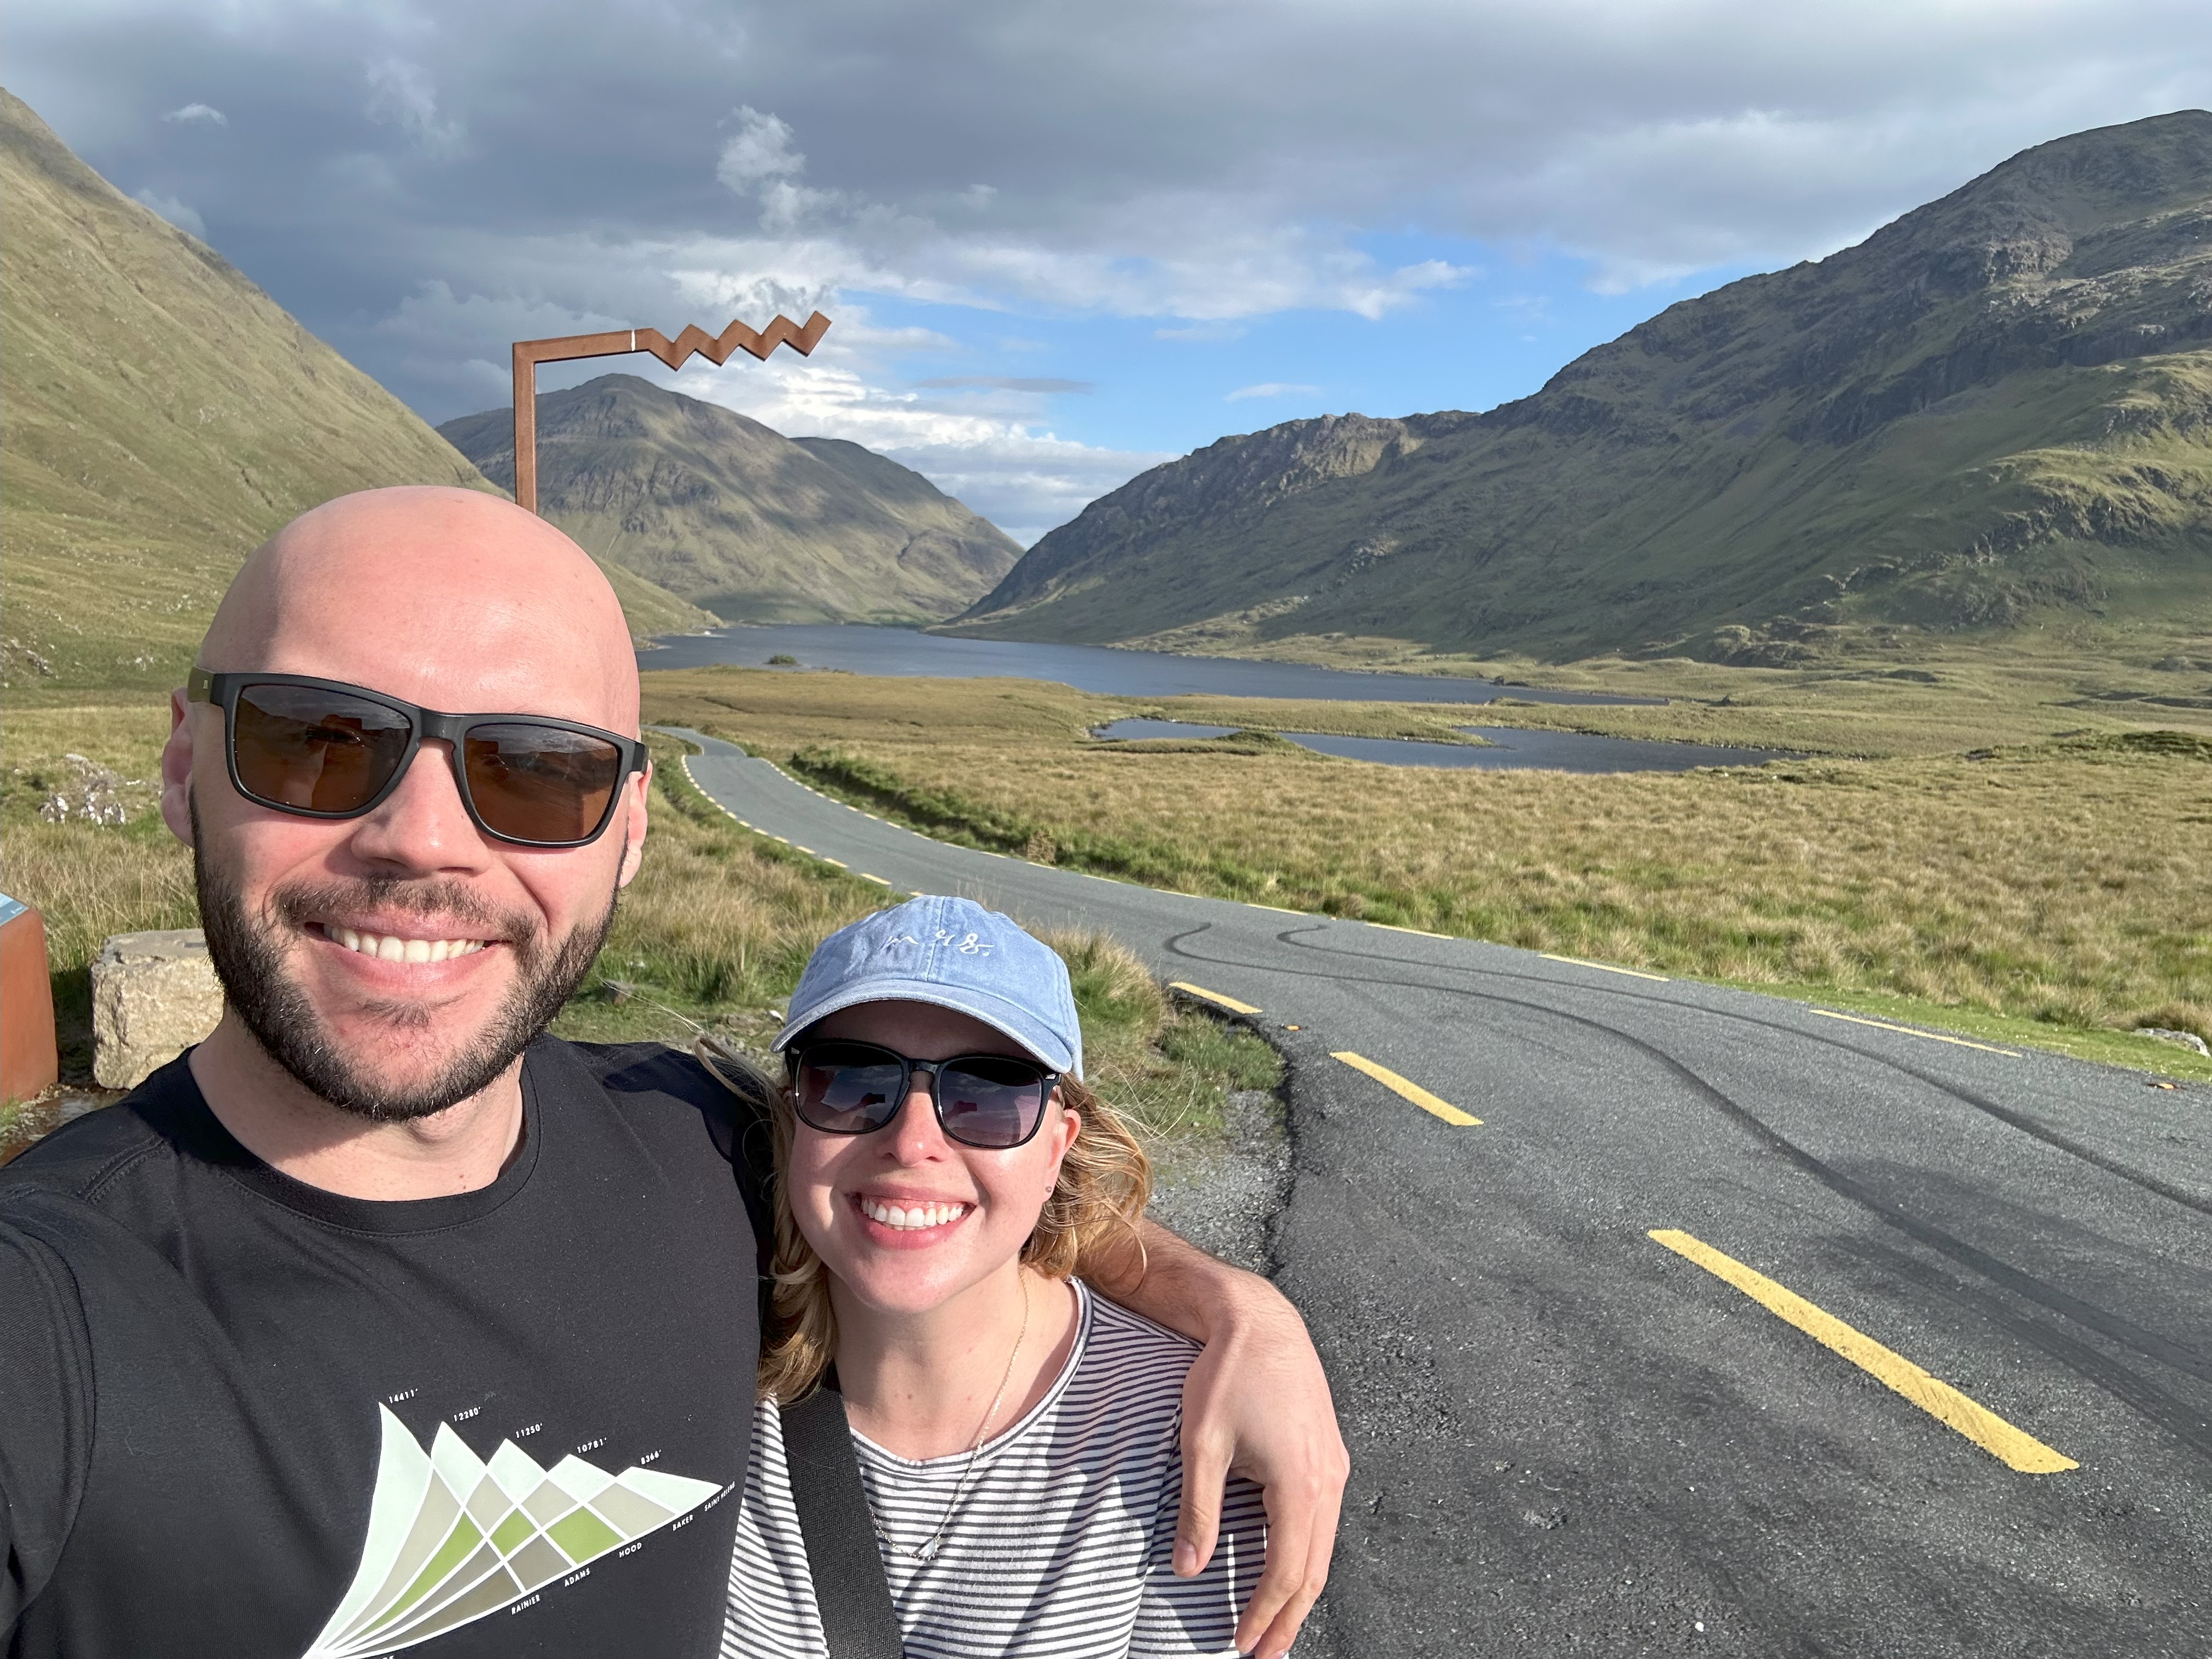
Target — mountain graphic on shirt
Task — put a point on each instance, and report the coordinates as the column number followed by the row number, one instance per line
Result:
column 454, row 1537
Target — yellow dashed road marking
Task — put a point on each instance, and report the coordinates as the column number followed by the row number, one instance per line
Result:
column 1603, row 966
column 1413, row 1091
column 834, row 862
column 1395, row 928
column 1214, row 997
column 2009, row 1445
column 865, row 876
column 1933, row 1036
column 1277, row 908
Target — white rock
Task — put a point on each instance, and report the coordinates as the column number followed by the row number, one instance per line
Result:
column 2186, row 1039
column 154, row 995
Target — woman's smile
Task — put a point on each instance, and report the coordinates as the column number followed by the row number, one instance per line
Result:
column 910, row 1217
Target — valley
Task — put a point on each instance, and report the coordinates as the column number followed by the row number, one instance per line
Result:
column 1990, row 419
column 1999, row 811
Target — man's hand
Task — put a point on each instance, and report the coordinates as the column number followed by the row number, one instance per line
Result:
column 1255, row 1404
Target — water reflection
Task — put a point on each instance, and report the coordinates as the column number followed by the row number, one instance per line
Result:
column 1510, row 749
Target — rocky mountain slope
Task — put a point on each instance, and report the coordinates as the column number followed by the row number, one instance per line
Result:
column 754, row 526
column 1996, row 410
column 163, row 416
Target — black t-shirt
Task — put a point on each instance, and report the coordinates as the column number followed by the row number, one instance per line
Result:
column 241, row 1416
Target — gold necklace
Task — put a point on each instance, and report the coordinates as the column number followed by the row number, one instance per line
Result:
column 926, row 1550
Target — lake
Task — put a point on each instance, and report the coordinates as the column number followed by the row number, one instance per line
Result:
column 904, row 652
column 1510, row 748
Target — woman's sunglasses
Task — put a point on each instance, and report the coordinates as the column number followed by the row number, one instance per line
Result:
column 990, row 1101
column 322, row 748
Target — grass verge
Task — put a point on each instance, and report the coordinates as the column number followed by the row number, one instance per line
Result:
column 2106, row 1047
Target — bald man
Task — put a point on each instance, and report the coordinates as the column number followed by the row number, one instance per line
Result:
column 381, row 1320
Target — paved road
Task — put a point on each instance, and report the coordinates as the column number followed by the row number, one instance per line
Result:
column 1570, row 1438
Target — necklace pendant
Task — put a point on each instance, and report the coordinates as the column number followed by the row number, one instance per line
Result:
column 926, row 1552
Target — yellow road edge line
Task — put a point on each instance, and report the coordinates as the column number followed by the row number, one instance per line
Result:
column 809, row 851
column 865, row 876
column 1396, row 928
column 1255, row 904
column 2013, row 1447
column 834, row 861
column 1214, row 997
column 1412, row 1090
column 1602, row 967
column 1933, row 1036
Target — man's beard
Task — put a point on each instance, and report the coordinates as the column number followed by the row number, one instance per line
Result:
column 250, row 960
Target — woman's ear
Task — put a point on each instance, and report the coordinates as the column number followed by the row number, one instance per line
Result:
column 1068, row 1125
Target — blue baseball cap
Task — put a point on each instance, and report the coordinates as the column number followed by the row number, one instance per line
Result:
column 956, row 954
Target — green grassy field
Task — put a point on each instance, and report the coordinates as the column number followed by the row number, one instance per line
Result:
column 2058, row 883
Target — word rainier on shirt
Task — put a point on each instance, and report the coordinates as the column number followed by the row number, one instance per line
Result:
column 1061, row 1544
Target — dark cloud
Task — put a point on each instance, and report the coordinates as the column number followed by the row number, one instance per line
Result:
column 422, row 182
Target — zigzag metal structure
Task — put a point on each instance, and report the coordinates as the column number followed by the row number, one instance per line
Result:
column 617, row 342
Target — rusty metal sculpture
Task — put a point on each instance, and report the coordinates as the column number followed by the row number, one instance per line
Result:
column 620, row 341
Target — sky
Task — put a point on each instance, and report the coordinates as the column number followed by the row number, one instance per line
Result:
column 1060, row 242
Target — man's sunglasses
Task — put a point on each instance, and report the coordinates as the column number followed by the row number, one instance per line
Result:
column 323, row 748
column 992, row 1101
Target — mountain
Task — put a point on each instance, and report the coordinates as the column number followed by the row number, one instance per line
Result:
column 1996, row 410
column 163, row 416
column 755, row 526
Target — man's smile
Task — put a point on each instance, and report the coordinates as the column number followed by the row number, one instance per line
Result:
column 411, row 947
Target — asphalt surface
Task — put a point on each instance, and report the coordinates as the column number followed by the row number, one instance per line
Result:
column 1567, row 1439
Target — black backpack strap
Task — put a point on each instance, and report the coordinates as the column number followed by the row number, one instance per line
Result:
column 842, row 1556
column 837, row 1525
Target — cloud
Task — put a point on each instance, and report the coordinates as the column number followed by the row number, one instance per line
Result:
column 179, row 214
column 1272, row 389
column 403, row 93
column 1008, row 383
column 760, row 151
column 1023, row 480
column 990, row 174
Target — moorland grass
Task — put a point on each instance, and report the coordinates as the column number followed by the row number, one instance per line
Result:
column 1927, row 695
column 2061, row 881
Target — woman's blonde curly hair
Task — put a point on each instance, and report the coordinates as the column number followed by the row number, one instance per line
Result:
column 1090, row 1218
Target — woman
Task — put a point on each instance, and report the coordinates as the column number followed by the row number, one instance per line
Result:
column 939, row 1163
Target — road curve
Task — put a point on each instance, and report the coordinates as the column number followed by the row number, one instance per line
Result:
column 1898, row 1274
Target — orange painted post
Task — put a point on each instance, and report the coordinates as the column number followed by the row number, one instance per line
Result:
column 620, row 343
column 28, row 1060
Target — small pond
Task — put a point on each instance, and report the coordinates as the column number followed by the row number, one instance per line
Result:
column 1508, row 749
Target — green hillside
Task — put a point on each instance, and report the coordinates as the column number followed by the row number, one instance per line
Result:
column 162, row 416
column 1994, row 413
column 754, row 526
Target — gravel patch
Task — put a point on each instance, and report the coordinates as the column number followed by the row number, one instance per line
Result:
column 1223, row 1194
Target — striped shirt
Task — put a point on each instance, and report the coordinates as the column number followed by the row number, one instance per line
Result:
column 1061, row 1543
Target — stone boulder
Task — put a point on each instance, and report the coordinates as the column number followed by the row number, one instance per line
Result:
column 2181, row 1039
column 154, row 995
